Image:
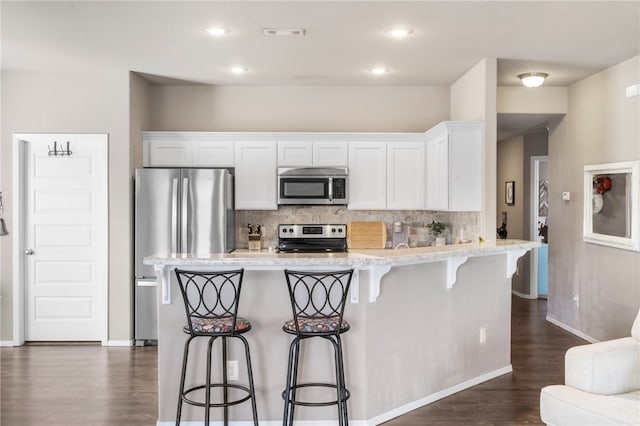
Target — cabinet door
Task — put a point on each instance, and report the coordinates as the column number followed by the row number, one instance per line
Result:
column 172, row 153
column 330, row 153
column 295, row 153
column 367, row 175
column 256, row 175
column 437, row 197
column 405, row 179
column 213, row 154
column 465, row 167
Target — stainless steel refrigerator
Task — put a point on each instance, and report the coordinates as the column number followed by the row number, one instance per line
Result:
column 177, row 211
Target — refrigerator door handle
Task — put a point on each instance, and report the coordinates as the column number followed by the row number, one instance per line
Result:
column 174, row 216
column 185, row 217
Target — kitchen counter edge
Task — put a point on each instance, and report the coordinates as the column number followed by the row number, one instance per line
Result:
column 355, row 257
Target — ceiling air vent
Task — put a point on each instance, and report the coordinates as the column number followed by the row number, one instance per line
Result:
column 275, row 32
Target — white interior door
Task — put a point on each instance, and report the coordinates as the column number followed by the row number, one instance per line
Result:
column 65, row 237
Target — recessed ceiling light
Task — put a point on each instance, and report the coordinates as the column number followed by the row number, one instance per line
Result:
column 399, row 32
column 218, row 31
column 379, row 70
column 533, row 79
column 238, row 70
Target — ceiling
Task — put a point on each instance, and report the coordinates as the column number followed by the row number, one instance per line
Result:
column 166, row 41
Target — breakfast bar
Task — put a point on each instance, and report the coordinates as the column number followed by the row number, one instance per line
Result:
column 426, row 322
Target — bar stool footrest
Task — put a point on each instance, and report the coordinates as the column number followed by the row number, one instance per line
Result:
column 346, row 395
column 216, row 404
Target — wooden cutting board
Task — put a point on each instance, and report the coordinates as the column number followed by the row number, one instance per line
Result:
column 366, row 235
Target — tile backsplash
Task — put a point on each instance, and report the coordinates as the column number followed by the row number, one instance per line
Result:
column 456, row 223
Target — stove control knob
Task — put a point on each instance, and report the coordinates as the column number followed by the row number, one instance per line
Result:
column 291, row 230
column 284, row 230
column 333, row 230
column 339, row 229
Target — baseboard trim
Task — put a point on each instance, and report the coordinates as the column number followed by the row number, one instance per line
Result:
column 522, row 295
column 380, row 418
column 7, row 343
column 118, row 343
column 571, row 330
column 404, row 409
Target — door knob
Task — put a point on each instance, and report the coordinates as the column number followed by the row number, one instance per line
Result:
column 29, row 252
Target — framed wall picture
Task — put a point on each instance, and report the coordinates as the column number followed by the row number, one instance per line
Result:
column 510, row 192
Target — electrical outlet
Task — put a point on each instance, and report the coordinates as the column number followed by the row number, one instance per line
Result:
column 576, row 299
column 232, row 370
column 483, row 335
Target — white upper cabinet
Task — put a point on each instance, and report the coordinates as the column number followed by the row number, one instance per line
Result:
column 256, row 175
column 295, row 153
column 437, row 197
column 367, row 175
column 405, row 175
column 454, row 166
column 213, row 154
column 168, row 153
column 330, row 153
column 186, row 149
column 312, row 153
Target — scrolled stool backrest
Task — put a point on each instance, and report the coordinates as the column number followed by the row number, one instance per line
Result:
column 210, row 295
column 318, row 295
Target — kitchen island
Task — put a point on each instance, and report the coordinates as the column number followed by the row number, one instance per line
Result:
column 425, row 323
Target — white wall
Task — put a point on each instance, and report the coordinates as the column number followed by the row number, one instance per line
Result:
column 511, row 168
column 473, row 97
column 525, row 100
column 49, row 102
column 601, row 126
column 291, row 109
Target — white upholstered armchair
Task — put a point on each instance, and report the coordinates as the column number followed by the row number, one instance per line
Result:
column 602, row 385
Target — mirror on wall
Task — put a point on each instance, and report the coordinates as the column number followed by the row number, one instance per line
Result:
column 612, row 204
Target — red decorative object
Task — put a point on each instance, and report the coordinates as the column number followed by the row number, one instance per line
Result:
column 602, row 184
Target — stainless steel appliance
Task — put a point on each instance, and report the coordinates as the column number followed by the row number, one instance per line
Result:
column 312, row 238
column 177, row 211
column 313, row 185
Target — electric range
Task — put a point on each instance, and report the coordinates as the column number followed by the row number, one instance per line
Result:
column 311, row 238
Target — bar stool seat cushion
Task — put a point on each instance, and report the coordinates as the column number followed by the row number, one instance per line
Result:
column 220, row 325
column 316, row 325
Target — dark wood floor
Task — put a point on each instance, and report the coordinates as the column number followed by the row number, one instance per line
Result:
column 94, row 385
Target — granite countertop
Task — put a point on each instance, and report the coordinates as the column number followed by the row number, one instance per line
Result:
column 355, row 257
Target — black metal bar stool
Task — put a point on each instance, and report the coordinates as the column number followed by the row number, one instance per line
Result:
column 317, row 300
column 211, row 302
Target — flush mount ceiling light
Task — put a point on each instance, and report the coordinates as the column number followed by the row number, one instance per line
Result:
column 533, row 79
column 218, row 31
column 399, row 32
column 238, row 69
column 379, row 70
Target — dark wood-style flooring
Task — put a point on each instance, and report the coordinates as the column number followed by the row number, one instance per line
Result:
column 93, row 385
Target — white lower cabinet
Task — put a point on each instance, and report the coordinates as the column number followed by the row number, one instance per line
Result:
column 454, row 166
column 367, row 175
column 405, row 175
column 256, row 175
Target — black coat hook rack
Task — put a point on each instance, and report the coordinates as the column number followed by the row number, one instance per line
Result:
column 55, row 152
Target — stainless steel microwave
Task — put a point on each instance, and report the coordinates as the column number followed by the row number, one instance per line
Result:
column 313, row 185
